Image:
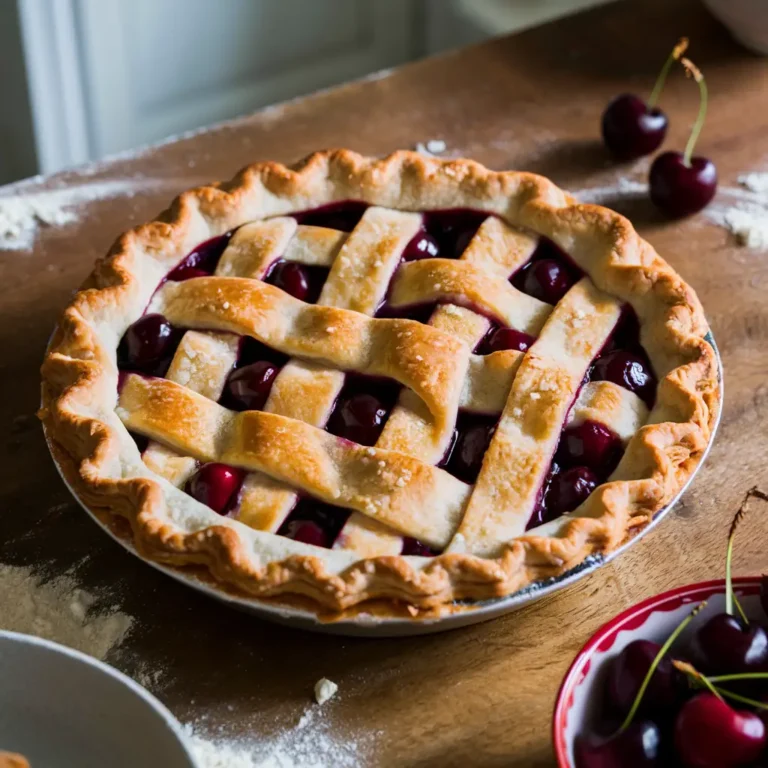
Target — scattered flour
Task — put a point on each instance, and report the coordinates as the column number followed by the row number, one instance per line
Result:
column 742, row 210
column 21, row 214
column 308, row 744
column 58, row 610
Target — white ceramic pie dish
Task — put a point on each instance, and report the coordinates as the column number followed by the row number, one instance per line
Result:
column 363, row 624
column 62, row 709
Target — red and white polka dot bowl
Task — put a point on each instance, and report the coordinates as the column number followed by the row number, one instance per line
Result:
column 653, row 619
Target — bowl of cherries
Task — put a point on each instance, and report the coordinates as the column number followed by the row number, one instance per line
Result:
column 678, row 681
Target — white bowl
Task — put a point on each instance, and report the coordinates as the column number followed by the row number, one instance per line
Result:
column 746, row 19
column 62, row 709
column 653, row 619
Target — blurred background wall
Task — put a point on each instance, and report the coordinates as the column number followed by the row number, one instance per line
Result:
column 82, row 79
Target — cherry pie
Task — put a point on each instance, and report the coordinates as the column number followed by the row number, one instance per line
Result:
column 409, row 379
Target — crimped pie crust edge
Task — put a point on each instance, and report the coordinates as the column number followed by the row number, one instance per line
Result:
column 79, row 386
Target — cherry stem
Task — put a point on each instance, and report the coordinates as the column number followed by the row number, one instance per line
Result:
column 730, row 597
column 741, row 699
column 693, row 71
column 690, row 671
column 739, row 676
column 655, row 663
column 677, row 52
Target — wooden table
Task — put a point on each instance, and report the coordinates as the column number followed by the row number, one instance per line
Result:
column 481, row 696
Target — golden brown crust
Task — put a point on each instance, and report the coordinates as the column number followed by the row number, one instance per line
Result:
column 79, row 389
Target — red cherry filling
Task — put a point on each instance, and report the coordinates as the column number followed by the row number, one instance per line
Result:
column 422, row 246
column 631, row 128
column 725, row 645
column 589, row 444
column 313, row 522
column 362, row 408
column 498, row 339
column 202, row 261
column 301, row 281
column 216, row 486
column 416, row 547
column 710, row 734
column 629, row 370
column 471, row 439
column 343, row 216
column 148, row 345
column 566, row 490
column 636, row 747
column 546, row 279
column 453, row 229
column 248, row 388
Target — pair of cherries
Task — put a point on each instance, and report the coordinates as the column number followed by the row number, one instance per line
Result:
column 680, row 184
column 676, row 713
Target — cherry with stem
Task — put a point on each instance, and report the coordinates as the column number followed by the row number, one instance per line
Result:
column 681, row 184
column 632, row 127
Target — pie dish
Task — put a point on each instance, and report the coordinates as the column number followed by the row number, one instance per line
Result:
column 408, row 380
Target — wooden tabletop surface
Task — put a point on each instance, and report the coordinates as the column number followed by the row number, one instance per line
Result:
column 481, row 696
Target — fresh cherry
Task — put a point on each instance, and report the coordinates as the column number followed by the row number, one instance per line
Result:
column 726, row 645
column 499, row 339
column 632, row 128
column 627, row 671
column 248, row 388
column 569, row 489
column 589, row 444
column 764, row 594
column 710, row 734
column 628, row 370
column 359, row 418
column 681, row 184
column 422, row 246
column 637, row 746
column 148, row 345
column 215, row 485
column 291, row 278
column 545, row 279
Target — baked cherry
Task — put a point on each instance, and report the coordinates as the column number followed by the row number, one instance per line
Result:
column 415, row 547
column 466, row 457
column 710, row 734
column 215, row 485
column 633, row 128
column 679, row 183
column 148, row 345
column 545, row 279
column 359, row 418
column 248, row 388
column 185, row 272
column 628, row 370
column 422, row 246
column 589, row 444
column 307, row 532
column 499, row 339
column 636, row 747
column 453, row 229
column 627, row 671
column 291, row 278
column 569, row 489
column 343, row 216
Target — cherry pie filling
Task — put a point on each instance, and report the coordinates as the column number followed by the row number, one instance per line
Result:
column 587, row 452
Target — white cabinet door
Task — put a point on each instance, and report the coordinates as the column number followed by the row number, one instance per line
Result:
column 157, row 67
